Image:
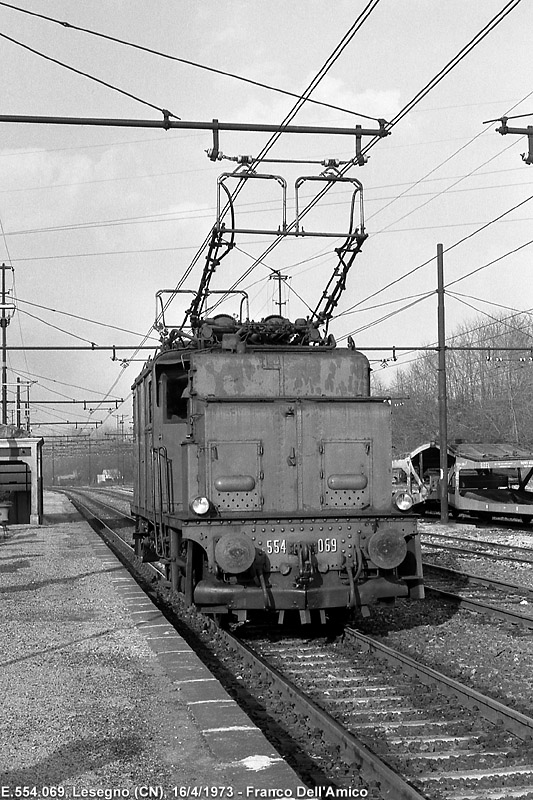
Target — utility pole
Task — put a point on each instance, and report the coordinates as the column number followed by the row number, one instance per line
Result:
column 19, row 420
column 5, row 319
column 443, row 414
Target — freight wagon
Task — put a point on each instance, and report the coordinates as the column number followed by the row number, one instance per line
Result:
column 485, row 479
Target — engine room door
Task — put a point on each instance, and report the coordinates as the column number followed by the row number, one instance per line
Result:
column 253, row 440
column 336, row 452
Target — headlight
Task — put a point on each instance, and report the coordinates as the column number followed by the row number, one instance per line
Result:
column 387, row 549
column 403, row 501
column 200, row 505
column 234, row 552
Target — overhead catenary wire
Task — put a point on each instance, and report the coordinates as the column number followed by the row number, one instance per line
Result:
column 374, row 294
column 450, row 283
column 490, row 302
column 453, row 337
column 89, row 76
column 420, row 95
column 168, row 56
column 273, row 139
column 485, row 313
column 409, row 106
column 46, row 378
column 77, row 316
column 348, row 36
column 478, row 269
column 432, row 259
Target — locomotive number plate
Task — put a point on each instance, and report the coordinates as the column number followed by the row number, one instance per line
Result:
column 327, row 545
column 275, row 546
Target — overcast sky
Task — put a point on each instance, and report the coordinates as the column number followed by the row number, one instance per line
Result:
column 97, row 220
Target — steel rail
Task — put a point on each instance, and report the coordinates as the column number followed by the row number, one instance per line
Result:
column 351, row 750
column 501, row 545
column 478, row 553
column 513, row 721
column 478, row 578
column 480, row 608
column 117, row 544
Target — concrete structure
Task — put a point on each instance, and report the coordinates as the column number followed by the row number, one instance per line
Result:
column 21, row 483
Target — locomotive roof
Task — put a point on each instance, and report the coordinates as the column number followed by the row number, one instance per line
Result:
column 180, row 355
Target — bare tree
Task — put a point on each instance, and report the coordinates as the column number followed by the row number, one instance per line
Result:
column 489, row 386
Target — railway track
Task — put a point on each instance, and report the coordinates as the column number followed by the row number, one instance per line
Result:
column 498, row 599
column 362, row 711
column 485, row 548
column 446, row 740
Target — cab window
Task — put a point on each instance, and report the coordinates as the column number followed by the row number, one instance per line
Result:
column 176, row 394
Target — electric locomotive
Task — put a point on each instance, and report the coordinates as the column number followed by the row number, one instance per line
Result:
column 263, row 473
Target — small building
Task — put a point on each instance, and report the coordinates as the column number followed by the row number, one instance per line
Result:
column 21, row 482
column 109, row 476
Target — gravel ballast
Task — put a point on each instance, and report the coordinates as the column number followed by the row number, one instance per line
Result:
column 494, row 657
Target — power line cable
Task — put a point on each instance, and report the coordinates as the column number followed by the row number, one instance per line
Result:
column 170, row 57
column 27, row 375
column 76, row 316
column 163, row 111
column 245, row 208
column 432, row 259
column 489, row 302
column 488, row 28
column 452, row 338
column 490, row 263
column 485, row 313
column 451, row 283
column 387, row 316
column 420, row 95
column 348, row 36
column 273, row 139
column 55, row 327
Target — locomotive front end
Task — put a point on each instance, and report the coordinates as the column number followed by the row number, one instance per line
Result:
column 289, row 464
column 263, row 480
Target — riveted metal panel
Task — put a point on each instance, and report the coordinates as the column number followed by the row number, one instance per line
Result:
column 344, row 457
column 342, row 373
column 233, row 460
column 258, row 440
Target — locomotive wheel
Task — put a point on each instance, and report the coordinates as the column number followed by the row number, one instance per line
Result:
column 192, row 571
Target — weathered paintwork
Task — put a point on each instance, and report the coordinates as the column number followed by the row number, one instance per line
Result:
column 342, row 373
column 293, row 455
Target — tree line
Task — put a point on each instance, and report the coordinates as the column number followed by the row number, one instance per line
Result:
column 489, row 390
